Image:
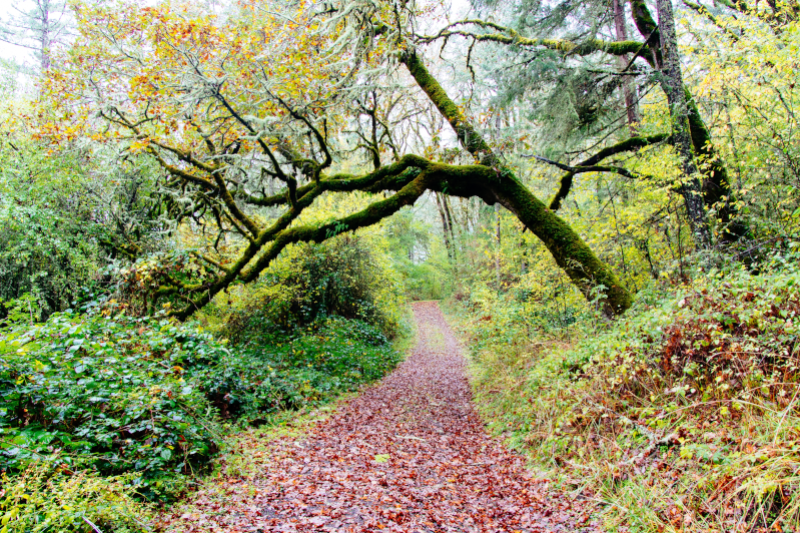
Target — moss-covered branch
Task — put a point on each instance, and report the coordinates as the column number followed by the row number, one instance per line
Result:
column 510, row 36
column 279, row 237
column 588, row 273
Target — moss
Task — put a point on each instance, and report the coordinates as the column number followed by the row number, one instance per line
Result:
column 471, row 140
column 590, row 46
column 565, row 185
column 647, row 27
column 568, row 249
column 566, row 246
column 372, row 214
column 717, row 192
column 643, row 19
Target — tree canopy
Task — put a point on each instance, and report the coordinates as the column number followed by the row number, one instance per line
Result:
column 247, row 114
column 255, row 111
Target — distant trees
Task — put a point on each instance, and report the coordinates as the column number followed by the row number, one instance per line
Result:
column 39, row 26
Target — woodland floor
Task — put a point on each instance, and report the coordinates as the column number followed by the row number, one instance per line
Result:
column 409, row 454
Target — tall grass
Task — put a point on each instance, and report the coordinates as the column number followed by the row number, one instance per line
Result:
column 684, row 415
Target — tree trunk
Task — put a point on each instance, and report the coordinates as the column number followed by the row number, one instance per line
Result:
column 498, row 244
column 451, row 225
column 586, row 271
column 716, row 188
column 672, row 84
column 717, row 191
column 628, row 90
column 446, row 230
column 45, row 35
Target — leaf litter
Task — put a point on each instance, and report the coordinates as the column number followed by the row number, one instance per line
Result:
column 409, row 454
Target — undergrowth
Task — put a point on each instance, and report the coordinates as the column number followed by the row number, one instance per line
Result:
column 39, row 500
column 140, row 406
column 683, row 415
column 145, row 408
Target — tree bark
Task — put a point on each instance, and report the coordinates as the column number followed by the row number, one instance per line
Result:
column 446, row 230
column 498, row 245
column 451, row 225
column 671, row 80
column 586, row 271
column 628, row 90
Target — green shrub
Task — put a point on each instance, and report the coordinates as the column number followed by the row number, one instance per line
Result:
column 45, row 260
column 271, row 372
column 341, row 277
column 146, row 395
column 63, row 215
column 41, row 500
column 112, row 393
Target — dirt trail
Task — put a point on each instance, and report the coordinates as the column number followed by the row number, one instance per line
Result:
column 408, row 455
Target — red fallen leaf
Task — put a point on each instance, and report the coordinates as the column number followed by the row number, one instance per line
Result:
column 450, row 477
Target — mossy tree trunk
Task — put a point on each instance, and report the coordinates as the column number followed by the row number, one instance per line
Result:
column 586, row 271
column 671, row 81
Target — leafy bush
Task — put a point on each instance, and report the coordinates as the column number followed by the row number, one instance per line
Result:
column 63, row 216
column 111, row 392
column 275, row 372
column 45, row 260
column 341, row 277
column 688, row 403
column 119, row 394
column 41, row 500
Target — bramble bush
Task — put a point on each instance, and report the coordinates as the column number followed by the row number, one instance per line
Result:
column 117, row 394
column 271, row 371
column 114, row 394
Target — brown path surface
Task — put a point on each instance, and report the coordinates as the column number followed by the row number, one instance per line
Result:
column 408, row 455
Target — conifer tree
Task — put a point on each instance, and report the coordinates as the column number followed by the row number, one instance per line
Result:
column 37, row 25
column 563, row 59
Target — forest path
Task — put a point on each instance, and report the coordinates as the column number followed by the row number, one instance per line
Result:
column 409, row 454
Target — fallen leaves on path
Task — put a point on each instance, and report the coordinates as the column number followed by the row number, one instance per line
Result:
column 408, row 455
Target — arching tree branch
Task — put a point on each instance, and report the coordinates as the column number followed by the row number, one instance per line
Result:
column 590, row 164
column 567, row 248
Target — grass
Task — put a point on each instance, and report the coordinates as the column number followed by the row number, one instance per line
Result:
column 684, row 415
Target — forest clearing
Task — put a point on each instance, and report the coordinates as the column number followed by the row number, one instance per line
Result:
column 399, row 265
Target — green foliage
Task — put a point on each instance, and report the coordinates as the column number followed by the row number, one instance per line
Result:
column 696, row 384
column 420, row 257
column 63, row 221
column 751, row 83
column 47, row 249
column 41, row 500
column 273, row 372
column 110, row 393
column 338, row 279
column 344, row 277
column 146, row 396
